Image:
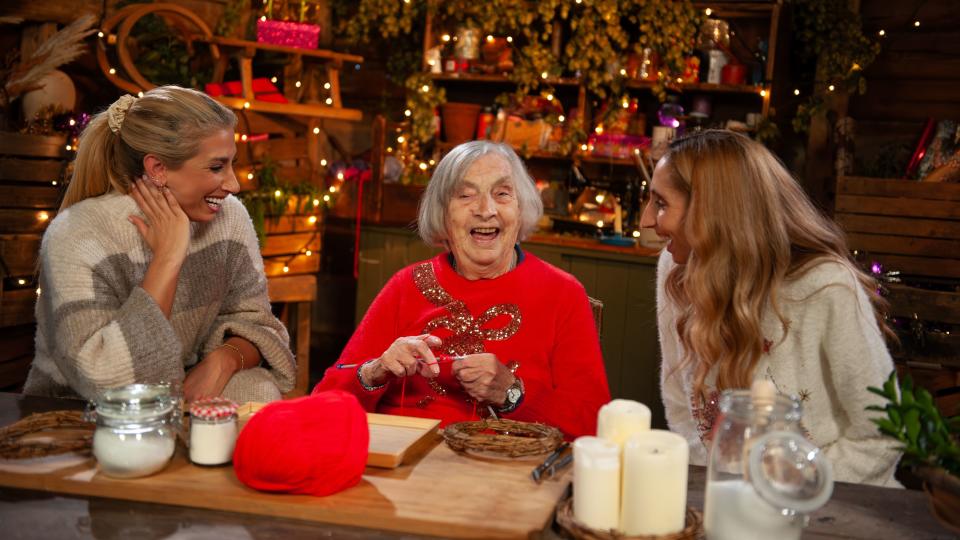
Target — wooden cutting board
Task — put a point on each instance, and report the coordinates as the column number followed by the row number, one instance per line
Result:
column 393, row 439
column 440, row 493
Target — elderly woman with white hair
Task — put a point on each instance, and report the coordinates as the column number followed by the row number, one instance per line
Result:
column 484, row 327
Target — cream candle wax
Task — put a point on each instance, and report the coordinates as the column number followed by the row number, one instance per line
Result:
column 621, row 418
column 654, row 498
column 596, row 482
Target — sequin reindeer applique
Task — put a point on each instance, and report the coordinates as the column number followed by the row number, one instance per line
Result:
column 467, row 332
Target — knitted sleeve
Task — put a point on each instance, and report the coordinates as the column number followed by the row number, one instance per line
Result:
column 855, row 357
column 96, row 334
column 245, row 311
column 577, row 385
column 676, row 399
column 375, row 333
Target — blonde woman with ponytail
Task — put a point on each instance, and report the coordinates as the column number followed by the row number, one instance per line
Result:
column 755, row 283
column 151, row 270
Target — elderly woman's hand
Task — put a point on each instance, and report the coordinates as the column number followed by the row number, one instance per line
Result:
column 484, row 377
column 406, row 356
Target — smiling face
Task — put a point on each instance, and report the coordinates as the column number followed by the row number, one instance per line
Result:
column 483, row 219
column 203, row 181
column 666, row 211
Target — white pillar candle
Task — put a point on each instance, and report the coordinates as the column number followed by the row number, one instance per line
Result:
column 621, row 418
column 654, row 483
column 596, row 483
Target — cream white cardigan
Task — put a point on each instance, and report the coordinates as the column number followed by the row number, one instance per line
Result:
column 832, row 351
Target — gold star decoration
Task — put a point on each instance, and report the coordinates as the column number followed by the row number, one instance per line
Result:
column 804, row 395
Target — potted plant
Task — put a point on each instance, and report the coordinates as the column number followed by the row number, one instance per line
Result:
column 930, row 443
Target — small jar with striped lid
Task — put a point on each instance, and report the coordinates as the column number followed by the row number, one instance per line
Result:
column 213, row 431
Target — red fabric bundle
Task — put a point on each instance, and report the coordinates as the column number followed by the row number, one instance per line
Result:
column 314, row 445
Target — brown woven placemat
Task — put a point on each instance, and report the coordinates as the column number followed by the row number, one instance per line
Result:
column 502, row 437
column 579, row 531
column 70, row 433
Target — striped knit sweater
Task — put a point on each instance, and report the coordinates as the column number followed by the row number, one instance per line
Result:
column 97, row 328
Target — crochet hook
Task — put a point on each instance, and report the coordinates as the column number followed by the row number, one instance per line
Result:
column 441, row 360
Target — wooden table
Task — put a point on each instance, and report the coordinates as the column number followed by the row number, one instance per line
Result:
column 854, row 512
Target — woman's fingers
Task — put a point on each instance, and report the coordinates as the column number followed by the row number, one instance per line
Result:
column 139, row 224
column 146, row 206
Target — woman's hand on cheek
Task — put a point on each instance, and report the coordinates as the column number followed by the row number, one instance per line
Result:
column 166, row 228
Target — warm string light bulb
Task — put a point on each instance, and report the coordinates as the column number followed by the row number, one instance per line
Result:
column 316, row 131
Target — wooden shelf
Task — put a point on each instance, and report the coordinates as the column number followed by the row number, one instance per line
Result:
column 258, row 46
column 298, row 109
column 572, row 81
column 704, row 87
column 497, row 78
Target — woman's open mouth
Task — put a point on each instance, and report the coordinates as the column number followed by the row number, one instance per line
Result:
column 213, row 203
column 484, row 234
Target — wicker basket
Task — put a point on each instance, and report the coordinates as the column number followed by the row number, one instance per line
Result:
column 579, row 531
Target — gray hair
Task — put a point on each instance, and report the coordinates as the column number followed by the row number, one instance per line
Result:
column 449, row 174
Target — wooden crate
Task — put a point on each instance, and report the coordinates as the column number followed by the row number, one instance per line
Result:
column 914, row 228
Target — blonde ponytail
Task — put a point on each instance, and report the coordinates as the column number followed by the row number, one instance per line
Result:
column 92, row 171
column 168, row 122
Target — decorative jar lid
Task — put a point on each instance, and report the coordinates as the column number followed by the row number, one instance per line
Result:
column 213, row 408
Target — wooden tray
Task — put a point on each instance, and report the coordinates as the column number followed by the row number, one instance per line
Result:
column 441, row 494
column 394, row 440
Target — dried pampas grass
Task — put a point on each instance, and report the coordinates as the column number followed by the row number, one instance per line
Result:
column 61, row 48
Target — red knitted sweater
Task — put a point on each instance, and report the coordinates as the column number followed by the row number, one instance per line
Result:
column 536, row 315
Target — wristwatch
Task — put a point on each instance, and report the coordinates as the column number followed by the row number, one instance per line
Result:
column 514, row 396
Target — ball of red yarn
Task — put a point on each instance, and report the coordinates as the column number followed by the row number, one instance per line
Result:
column 314, row 445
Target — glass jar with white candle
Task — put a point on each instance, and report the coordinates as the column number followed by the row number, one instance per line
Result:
column 763, row 475
column 136, row 430
column 213, row 431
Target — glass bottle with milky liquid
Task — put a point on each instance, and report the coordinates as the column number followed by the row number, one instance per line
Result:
column 763, row 475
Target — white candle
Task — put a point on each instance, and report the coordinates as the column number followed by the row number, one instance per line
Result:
column 596, row 483
column 618, row 420
column 654, row 483
column 734, row 511
column 130, row 455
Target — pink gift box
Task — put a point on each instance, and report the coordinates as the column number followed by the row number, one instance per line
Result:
column 616, row 146
column 288, row 34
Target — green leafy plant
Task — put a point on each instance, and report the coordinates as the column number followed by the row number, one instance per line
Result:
column 913, row 418
column 272, row 197
column 834, row 48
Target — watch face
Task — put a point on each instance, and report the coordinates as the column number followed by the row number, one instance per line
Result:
column 513, row 394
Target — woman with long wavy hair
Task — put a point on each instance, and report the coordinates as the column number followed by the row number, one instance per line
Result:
column 755, row 283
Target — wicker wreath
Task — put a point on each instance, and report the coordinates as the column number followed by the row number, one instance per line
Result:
column 502, row 437
column 12, row 445
column 579, row 531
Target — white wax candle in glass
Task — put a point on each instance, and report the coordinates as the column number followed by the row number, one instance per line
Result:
column 596, row 483
column 618, row 420
column 654, row 483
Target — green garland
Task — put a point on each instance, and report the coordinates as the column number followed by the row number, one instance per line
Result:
column 597, row 31
column 831, row 37
column 272, row 197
